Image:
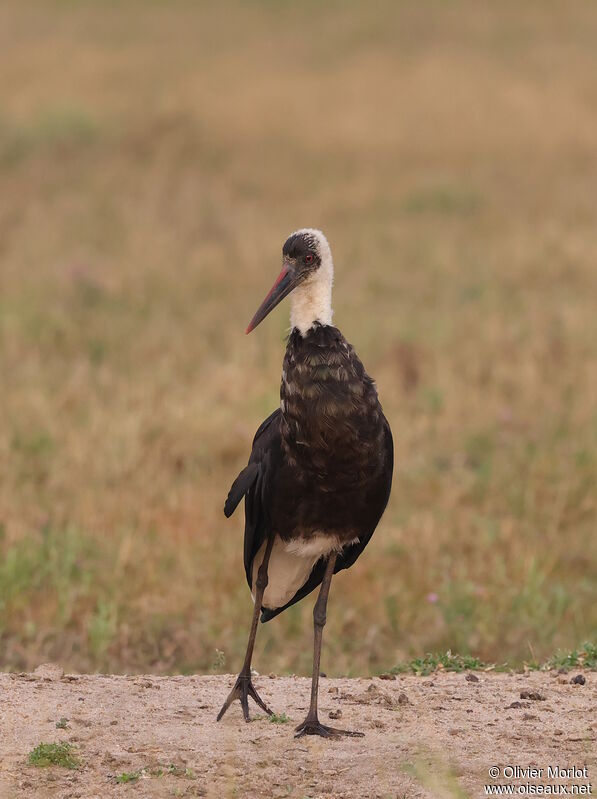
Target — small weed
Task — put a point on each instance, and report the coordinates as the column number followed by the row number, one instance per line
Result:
column 62, row 724
column 128, row 776
column 57, row 754
column 173, row 771
column 447, row 662
column 585, row 657
column 281, row 718
column 178, row 771
column 219, row 660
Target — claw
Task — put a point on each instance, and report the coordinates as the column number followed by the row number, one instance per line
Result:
column 314, row 727
column 242, row 690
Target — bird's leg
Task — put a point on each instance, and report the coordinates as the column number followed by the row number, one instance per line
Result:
column 243, row 687
column 311, row 725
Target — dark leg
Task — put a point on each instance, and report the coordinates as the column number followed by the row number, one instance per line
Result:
column 243, row 687
column 311, row 725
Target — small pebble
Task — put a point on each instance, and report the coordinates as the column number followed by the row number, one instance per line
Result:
column 403, row 700
column 387, row 676
column 578, row 680
column 534, row 695
column 470, row 677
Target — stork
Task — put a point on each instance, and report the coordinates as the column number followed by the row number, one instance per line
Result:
column 320, row 471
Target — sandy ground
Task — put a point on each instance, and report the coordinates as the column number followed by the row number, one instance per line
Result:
column 424, row 736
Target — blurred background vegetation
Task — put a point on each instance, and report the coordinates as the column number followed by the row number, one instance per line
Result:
column 153, row 158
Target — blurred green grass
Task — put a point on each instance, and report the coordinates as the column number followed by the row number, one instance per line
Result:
column 147, row 187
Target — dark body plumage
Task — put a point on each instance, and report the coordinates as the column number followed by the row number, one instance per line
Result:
column 322, row 463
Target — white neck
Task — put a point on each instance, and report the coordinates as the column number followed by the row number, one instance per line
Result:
column 312, row 301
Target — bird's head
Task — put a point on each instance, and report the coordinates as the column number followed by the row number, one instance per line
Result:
column 306, row 266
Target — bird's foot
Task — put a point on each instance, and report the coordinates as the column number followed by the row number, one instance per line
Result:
column 243, row 689
column 312, row 726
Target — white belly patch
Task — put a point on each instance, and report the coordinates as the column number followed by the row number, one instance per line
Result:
column 290, row 565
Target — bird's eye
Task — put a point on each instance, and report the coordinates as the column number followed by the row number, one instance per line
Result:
column 309, row 258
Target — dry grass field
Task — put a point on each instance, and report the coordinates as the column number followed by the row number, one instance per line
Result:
column 153, row 157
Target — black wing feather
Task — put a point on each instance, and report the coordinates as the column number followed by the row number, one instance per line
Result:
column 254, row 483
column 239, row 488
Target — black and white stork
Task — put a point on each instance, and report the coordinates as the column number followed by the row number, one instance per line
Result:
column 320, row 471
